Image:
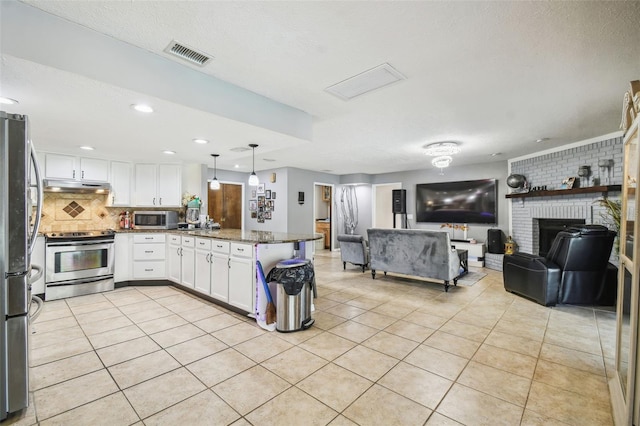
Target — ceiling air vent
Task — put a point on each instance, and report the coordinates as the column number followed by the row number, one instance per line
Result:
column 367, row 81
column 188, row 54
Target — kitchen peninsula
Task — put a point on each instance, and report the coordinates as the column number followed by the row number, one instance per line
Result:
column 217, row 264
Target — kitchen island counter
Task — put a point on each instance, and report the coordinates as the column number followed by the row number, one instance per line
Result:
column 255, row 237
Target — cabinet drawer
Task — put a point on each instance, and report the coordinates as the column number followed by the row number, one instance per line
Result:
column 149, row 270
column 203, row 243
column 175, row 239
column 220, row 246
column 188, row 241
column 241, row 250
column 149, row 252
column 148, row 238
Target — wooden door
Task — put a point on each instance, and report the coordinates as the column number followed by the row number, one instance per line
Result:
column 225, row 206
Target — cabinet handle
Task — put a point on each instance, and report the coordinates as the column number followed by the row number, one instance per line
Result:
column 148, row 270
column 208, row 258
column 219, row 245
column 154, row 201
column 82, row 177
column 240, row 249
column 160, row 201
column 74, row 174
column 113, row 199
column 148, row 238
column 178, row 251
column 148, row 251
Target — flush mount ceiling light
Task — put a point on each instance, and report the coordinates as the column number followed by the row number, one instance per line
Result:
column 441, row 148
column 253, row 178
column 367, row 81
column 168, row 152
column 442, row 161
column 215, row 185
column 142, row 108
column 542, row 140
column 87, row 148
column 8, row 101
column 201, row 141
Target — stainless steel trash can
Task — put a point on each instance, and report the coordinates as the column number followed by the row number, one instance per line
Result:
column 294, row 282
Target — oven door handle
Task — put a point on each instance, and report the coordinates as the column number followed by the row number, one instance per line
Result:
column 78, row 243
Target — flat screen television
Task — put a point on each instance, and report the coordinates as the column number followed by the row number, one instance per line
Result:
column 469, row 201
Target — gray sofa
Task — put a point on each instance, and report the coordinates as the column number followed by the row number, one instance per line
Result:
column 421, row 253
column 353, row 249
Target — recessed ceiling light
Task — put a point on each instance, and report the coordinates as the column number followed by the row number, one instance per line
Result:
column 201, row 141
column 142, row 108
column 240, row 149
column 269, row 160
column 495, row 154
column 87, row 148
column 168, row 152
column 237, row 166
column 542, row 140
column 8, row 101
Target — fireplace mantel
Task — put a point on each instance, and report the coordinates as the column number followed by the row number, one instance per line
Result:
column 604, row 189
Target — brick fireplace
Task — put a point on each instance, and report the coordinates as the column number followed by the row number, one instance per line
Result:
column 550, row 169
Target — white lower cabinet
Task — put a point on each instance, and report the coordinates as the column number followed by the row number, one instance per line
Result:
column 226, row 272
column 122, row 250
column 242, row 276
column 220, row 270
column 202, row 280
column 181, row 260
column 149, row 256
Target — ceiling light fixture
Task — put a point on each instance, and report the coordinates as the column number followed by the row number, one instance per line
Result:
column 442, row 162
column 142, row 108
column 87, row 148
column 253, row 178
column 8, row 101
column 215, row 184
column 439, row 149
column 168, row 152
column 201, row 141
column 542, row 140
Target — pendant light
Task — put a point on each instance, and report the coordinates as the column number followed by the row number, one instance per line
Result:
column 253, row 178
column 215, row 184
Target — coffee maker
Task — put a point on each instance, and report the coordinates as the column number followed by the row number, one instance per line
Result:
column 193, row 212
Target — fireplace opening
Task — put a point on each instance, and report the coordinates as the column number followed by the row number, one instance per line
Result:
column 549, row 228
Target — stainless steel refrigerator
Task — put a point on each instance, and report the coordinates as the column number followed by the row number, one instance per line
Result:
column 18, row 232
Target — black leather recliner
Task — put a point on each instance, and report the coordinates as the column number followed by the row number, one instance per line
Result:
column 574, row 271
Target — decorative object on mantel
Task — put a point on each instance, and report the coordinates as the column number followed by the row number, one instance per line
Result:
column 518, row 183
column 605, row 165
column 349, row 205
column 584, row 172
column 567, row 183
column 604, row 189
column 509, row 246
column 612, row 217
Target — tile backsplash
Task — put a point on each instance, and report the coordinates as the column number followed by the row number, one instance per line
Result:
column 67, row 212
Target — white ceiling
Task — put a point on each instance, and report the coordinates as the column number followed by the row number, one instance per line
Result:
column 494, row 76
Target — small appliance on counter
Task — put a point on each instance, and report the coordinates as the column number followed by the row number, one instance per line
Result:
column 193, row 212
column 155, row 219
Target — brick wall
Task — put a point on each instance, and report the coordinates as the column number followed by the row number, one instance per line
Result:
column 550, row 170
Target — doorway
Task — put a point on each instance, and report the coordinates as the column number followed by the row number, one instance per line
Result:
column 322, row 214
column 225, row 205
column 383, row 205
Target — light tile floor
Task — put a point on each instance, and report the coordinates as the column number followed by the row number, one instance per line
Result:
column 392, row 351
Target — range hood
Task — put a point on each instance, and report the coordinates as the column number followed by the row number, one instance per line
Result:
column 75, row 186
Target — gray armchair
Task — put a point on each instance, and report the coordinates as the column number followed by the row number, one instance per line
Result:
column 354, row 249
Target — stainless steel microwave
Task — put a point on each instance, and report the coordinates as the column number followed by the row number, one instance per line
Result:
column 155, row 220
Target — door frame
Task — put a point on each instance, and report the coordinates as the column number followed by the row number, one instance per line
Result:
column 242, row 198
column 374, row 193
column 331, row 210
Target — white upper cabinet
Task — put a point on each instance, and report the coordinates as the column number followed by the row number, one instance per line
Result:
column 59, row 166
column 120, row 184
column 158, row 185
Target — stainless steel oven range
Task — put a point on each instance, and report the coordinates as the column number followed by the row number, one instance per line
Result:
column 78, row 263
